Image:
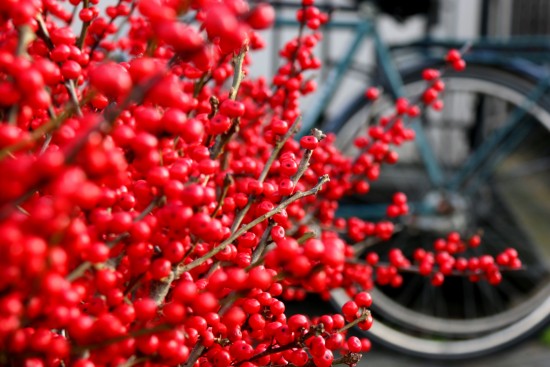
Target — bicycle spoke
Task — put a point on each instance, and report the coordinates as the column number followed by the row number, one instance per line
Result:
column 410, row 290
column 470, row 308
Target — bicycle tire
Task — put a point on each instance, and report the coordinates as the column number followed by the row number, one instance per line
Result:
column 432, row 336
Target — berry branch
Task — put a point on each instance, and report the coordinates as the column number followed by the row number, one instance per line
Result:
column 160, row 292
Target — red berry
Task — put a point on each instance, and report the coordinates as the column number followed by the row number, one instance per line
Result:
column 372, row 93
column 219, row 124
column 309, row 142
column 354, row 344
column 363, row 299
column 429, row 96
column 453, row 55
column 437, row 279
column 232, row 109
column 111, row 79
column 430, row 74
column 459, row 65
column 262, row 16
column 350, row 309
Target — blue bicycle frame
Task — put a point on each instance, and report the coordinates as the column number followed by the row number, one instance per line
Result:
column 482, row 161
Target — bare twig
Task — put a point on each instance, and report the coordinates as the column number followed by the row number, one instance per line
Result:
column 74, row 97
column 194, row 355
column 258, row 252
column 278, row 146
column 84, row 29
column 43, row 31
column 132, row 334
column 160, row 290
column 360, row 319
column 306, row 236
column 132, row 361
column 71, row 89
column 38, row 133
column 227, row 182
column 239, row 73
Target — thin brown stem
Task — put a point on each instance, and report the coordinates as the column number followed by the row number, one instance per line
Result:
column 71, row 88
column 415, row 269
column 306, row 236
column 227, row 182
column 84, row 29
column 239, row 73
column 132, row 361
column 43, row 31
column 259, row 251
column 357, row 321
column 161, row 289
column 194, row 355
column 313, row 331
column 214, row 104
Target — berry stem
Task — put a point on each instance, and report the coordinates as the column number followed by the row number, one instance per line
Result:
column 363, row 317
column 84, row 29
column 227, row 182
column 239, row 73
column 259, row 251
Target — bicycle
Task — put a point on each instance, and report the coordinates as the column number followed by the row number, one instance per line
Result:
column 505, row 110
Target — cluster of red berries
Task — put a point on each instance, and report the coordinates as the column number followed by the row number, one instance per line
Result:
column 445, row 260
column 156, row 209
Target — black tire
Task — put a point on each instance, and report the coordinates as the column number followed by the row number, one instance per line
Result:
column 511, row 214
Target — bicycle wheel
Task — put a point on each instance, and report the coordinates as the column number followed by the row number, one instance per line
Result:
column 510, row 204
